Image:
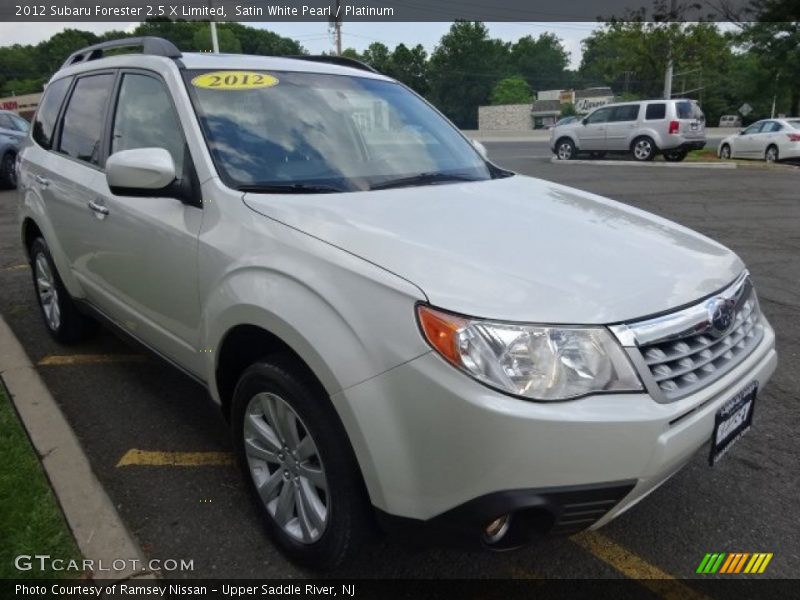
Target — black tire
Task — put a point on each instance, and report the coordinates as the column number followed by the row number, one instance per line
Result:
column 71, row 326
column 8, row 171
column 565, row 149
column 771, row 154
column 675, row 155
column 725, row 152
column 643, row 149
column 349, row 518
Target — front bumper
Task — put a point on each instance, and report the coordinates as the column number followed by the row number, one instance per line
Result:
column 431, row 441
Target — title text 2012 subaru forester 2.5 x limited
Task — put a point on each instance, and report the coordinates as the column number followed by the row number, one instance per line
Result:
column 394, row 326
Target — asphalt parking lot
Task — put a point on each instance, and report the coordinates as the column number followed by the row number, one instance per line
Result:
column 118, row 400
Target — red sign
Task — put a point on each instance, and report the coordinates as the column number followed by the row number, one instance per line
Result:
column 9, row 105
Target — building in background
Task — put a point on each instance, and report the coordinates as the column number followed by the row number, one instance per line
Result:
column 546, row 109
column 24, row 105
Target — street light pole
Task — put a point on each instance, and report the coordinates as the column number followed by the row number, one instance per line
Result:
column 668, row 74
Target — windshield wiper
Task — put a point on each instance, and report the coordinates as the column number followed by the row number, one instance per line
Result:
column 289, row 188
column 421, row 179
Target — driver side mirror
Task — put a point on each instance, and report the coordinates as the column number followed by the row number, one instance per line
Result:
column 585, row 121
column 480, row 148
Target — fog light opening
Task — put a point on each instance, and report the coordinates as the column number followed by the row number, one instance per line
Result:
column 496, row 530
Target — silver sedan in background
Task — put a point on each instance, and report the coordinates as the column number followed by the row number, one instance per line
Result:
column 768, row 139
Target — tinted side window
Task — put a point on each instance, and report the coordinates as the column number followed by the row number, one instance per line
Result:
column 47, row 114
column 629, row 112
column 601, row 115
column 754, row 128
column 82, row 131
column 5, row 123
column 655, row 112
column 772, row 127
column 146, row 118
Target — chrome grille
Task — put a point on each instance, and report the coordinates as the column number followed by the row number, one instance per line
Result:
column 685, row 351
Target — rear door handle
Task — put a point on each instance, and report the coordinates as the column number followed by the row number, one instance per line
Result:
column 100, row 210
column 41, row 180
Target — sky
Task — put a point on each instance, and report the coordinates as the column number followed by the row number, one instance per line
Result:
column 316, row 38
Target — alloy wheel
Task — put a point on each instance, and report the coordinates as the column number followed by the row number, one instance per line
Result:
column 286, row 467
column 643, row 149
column 47, row 292
column 772, row 154
column 564, row 151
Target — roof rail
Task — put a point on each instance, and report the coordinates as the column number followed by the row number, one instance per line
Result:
column 150, row 45
column 342, row 61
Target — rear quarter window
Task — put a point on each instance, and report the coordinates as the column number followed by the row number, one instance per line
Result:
column 655, row 112
column 45, row 120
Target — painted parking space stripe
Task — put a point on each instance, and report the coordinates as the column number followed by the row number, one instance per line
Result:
column 149, row 458
column 53, row 360
column 633, row 566
column 15, row 268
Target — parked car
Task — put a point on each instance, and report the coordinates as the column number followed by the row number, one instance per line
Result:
column 730, row 121
column 643, row 129
column 13, row 129
column 770, row 140
column 365, row 296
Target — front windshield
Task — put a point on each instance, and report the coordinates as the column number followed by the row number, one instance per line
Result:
column 314, row 130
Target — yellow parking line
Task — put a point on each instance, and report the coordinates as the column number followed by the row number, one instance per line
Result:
column 635, row 567
column 52, row 360
column 15, row 267
column 149, row 458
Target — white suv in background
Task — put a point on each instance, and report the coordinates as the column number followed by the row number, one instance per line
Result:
column 641, row 129
column 393, row 325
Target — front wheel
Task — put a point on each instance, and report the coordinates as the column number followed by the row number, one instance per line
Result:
column 565, row 149
column 675, row 155
column 643, row 149
column 771, row 155
column 299, row 465
column 725, row 152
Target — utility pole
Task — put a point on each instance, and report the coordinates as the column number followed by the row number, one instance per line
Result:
column 337, row 28
column 668, row 74
column 775, row 94
column 214, row 40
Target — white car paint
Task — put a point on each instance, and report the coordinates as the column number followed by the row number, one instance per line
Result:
column 754, row 141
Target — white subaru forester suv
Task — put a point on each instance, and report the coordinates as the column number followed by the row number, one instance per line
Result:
column 394, row 326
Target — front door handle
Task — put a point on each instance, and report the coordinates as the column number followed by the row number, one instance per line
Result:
column 41, row 180
column 99, row 210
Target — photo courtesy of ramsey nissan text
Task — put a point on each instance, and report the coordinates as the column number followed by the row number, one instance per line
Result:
column 386, row 299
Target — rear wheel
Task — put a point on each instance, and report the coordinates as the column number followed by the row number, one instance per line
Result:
column 675, row 155
column 771, row 155
column 299, row 466
column 643, row 149
column 725, row 152
column 59, row 312
column 565, row 149
column 8, row 171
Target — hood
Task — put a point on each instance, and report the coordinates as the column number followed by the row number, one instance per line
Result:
column 518, row 249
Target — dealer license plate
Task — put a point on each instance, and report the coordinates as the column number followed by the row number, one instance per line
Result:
column 733, row 420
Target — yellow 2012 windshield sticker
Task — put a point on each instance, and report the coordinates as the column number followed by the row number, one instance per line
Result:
column 234, row 80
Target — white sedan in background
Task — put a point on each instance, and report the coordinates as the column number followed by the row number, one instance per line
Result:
column 769, row 139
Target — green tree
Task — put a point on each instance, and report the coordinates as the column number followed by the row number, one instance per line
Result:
column 541, row 61
column 568, row 110
column 377, row 55
column 512, row 90
column 410, row 65
column 228, row 42
column 463, row 70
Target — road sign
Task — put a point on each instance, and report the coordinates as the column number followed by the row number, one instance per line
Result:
column 745, row 109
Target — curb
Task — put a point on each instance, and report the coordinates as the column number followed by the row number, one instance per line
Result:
column 96, row 526
column 664, row 165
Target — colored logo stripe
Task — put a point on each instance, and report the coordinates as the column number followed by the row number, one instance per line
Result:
column 734, row 562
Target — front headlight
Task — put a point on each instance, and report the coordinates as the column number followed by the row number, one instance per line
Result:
column 531, row 361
